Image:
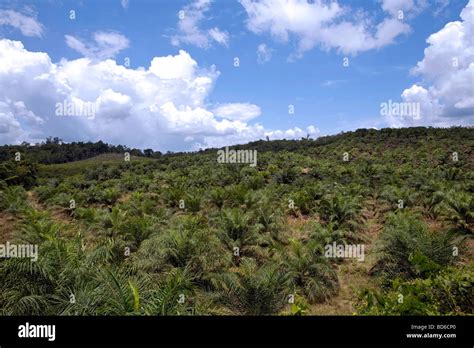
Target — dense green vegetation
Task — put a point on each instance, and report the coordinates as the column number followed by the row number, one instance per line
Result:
column 54, row 150
column 181, row 234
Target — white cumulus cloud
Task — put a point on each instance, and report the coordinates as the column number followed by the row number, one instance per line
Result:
column 446, row 92
column 238, row 111
column 164, row 106
column 181, row 66
column 326, row 24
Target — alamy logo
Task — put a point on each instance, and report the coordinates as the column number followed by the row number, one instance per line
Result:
column 355, row 251
column 79, row 109
column 37, row 331
column 237, row 156
column 400, row 109
column 19, row 251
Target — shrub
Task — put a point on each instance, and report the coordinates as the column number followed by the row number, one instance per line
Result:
column 341, row 210
column 460, row 210
column 136, row 229
column 255, row 181
column 110, row 196
column 87, row 214
column 13, row 199
column 408, row 249
column 286, row 175
column 236, row 195
column 23, row 173
column 309, row 271
column 166, row 299
column 393, row 195
column 235, row 223
column 189, row 245
column 252, row 290
column 217, row 197
column 173, row 195
column 451, row 292
column 303, row 202
column 192, row 202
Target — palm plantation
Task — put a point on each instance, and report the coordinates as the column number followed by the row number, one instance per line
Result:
column 180, row 234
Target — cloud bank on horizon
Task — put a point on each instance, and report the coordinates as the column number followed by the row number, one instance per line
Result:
column 170, row 103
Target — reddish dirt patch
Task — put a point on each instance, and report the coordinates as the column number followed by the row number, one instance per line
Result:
column 125, row 197
column 7, row 226
column 469, row 257
column 297, row 226
column 61, row 215
column 434, row 225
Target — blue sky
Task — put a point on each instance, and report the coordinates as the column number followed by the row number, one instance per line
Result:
column 198, row 98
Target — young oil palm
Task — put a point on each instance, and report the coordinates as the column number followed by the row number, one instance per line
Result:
column 252, row 290
column 13, row 199
column 173, row 294
column 408, row 249
column 310, row 271
column 460, row 210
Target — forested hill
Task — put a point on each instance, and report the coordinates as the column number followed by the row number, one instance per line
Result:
column 389, row 136
column 54, row 150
